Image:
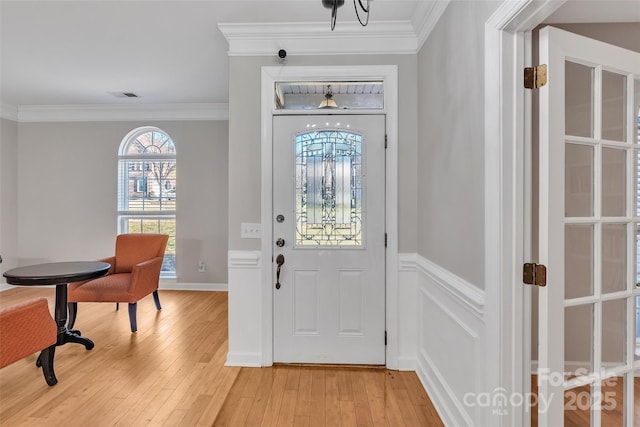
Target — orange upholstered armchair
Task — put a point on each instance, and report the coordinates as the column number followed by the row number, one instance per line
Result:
column 26, row 328
column 134, row 274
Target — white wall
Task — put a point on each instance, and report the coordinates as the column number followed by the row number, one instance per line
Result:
column 8, row 194
column 67, row 188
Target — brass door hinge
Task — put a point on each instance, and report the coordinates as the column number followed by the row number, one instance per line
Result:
column 534, row 274
column 535, row 77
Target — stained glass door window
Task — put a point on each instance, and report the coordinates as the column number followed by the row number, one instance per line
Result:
column 328, row 188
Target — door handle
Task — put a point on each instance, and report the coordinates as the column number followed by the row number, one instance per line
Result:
column 279, row 262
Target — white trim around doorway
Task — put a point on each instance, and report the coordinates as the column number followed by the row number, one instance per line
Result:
column 507, row 198
column 389, row 75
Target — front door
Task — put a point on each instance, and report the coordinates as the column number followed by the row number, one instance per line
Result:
column 329, row 239
column 589, row 232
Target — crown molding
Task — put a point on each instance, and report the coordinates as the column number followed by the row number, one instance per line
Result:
column 425, row 19
column 315, row 38
column 116, row 112
column 8, row 112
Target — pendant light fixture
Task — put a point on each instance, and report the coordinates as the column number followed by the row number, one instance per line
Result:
column 328, row 101
column 359, row 6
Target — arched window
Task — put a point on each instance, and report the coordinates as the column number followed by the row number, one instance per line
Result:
column 147, row 188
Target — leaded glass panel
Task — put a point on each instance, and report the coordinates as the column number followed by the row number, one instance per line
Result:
column 329, row 188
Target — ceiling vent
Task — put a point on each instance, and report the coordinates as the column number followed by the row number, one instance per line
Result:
column 124, row 94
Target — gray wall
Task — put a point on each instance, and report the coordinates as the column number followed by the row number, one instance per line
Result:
column 67, row 188
column 450, row 141
column 8, row 194
column 244, row 139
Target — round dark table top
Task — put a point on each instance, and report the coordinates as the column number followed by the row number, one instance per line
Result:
column 56, row 273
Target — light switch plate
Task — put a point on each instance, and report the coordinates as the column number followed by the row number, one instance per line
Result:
column 250, row 230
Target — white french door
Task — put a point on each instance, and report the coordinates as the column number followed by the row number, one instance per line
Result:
column 329, row 239
column 589, row 231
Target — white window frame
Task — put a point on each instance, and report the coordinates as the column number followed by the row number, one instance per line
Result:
column 123, row 184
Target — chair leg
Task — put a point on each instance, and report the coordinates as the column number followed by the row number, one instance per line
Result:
column 72, row 307
column 133, row 309
column 46, row 358
column 156, row 299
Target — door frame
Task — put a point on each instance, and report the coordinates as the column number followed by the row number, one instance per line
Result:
column 388, row 74
column 508, row 107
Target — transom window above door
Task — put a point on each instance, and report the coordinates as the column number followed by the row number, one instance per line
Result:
column 329, row 95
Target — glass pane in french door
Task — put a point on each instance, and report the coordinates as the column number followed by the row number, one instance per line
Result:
column 614, row 258
column 579, row 260
column 614, row 332
column 614, row 178
column 578, row 349
column 579, row 99
column 614, row 106
column 601, row 177
column 579, row 180
column 613, row 396
column 577, row 406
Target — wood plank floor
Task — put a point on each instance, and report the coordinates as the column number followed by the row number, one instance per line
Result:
column 333, row 396
column 172, row 373
column 578, row 411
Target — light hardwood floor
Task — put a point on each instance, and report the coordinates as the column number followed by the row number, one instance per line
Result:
column 578, row 411
column 171, row 372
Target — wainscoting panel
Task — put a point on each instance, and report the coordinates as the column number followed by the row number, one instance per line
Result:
column 245, row 309
column 450, row 327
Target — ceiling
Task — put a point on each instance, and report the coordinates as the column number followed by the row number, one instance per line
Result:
column 79, row 52
column 74, row 52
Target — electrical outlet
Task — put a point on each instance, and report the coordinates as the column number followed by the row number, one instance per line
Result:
column 201, row 267
column 250, row 230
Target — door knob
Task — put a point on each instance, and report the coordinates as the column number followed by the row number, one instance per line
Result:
column 279, row 262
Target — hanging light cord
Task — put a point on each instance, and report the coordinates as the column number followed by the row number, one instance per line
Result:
column 334, row 14
column 365, row 9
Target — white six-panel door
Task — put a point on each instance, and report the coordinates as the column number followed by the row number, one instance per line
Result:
column 329, row 231
column 589, row 228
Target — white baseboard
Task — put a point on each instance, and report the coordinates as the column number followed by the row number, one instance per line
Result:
column 250, row 360
column 407, row 364
column 441, row 395
column 186, row 286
